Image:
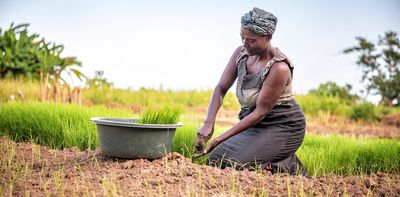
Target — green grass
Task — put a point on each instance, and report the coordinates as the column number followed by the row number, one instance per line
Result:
column 29, row 88
column 315, row 105
column 311, row 104
column 323, row 154
column 348, row 155
column 59, row 126
column 184, row 139
column 163, row 115
column 53, row 125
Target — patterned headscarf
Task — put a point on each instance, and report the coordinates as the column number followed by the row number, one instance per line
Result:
column 260, row 22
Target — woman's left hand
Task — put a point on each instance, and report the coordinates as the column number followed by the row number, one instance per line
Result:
column 210, row 147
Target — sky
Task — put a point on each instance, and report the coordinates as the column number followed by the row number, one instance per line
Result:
column 185, row 45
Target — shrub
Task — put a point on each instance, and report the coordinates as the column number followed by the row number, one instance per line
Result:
column 364, row 111
column 313, row 105
column 331, row 89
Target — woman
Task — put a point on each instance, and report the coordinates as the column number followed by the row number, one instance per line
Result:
column 272, row 125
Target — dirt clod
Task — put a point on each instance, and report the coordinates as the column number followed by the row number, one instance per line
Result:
column 370, row 183
column 128, row 164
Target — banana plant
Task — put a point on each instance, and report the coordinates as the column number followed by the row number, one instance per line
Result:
column 21, row 54
column 17, row 53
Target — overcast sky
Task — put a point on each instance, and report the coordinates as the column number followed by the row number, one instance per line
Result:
column 186, row 44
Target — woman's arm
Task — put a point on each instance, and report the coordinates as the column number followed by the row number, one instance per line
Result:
column 228, row 77
column 271, row 90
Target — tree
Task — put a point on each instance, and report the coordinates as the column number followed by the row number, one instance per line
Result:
column 331, row 89
column 381, row 66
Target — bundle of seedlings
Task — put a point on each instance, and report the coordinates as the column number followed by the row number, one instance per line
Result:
column 162, row 115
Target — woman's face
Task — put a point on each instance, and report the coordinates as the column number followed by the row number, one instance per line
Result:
column 252, row 42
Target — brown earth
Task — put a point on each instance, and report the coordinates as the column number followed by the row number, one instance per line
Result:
column 329, row 124
column 38, row 171
column 393, row 119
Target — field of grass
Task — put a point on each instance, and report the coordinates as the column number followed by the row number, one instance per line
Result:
column 53, row 125
column 106, row 95
column 348, row 155
column 30, row 89
column 65, row 125
column 312, row 105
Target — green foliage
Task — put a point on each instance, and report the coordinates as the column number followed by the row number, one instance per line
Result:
column 321, row 154
column 53, row 125
column 364, row 111
column 330, row 98
column 21, row 54
column 331, row 89
column 349, row 156
column 163, row 115
column 381, row 66
column 184, row 139
column 313, row 105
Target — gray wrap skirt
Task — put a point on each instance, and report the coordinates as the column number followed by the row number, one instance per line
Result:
column 270, row 144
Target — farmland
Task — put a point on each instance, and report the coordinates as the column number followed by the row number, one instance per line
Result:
column 51, row 148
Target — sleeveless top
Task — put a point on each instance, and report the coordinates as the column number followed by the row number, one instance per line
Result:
column 249, row 85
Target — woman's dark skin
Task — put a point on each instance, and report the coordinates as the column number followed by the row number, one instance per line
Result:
column 260, row 52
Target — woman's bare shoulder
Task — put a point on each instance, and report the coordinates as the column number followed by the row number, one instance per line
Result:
column 239, row 53
column 240, row 49
column 280, row 66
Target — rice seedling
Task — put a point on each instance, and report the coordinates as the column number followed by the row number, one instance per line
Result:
column 348, row 155
column 163, row 115
column 184, row 139
column 53, row 125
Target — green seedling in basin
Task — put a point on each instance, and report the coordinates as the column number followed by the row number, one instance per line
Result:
column 163, row 115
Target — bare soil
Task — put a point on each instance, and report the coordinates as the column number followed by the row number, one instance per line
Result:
column 393, row 119
column 343, row 126
column 36, row 170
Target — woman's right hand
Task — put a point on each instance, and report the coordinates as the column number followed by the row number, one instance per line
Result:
column 203, row 135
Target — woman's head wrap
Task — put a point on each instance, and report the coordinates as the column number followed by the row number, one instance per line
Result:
column 260, row 22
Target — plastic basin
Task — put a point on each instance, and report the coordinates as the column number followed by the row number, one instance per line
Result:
column 124, row 138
